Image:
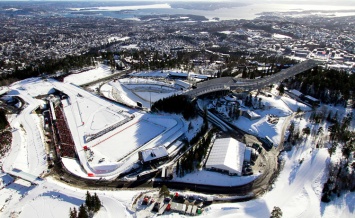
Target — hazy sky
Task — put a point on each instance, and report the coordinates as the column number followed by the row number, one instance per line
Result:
column 328, row 2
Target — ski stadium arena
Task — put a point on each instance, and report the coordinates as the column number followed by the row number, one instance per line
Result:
column 98, row 139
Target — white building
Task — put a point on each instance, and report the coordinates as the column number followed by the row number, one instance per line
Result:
column 153, row 154
column 227, row 155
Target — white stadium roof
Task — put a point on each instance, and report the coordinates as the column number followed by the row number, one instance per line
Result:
column 227, row 154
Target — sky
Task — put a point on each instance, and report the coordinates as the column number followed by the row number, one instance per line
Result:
column 328, row 2
column 337, row 1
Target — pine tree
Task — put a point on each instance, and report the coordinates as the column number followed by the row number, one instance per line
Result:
column 88, row 201
column 83, row 213
column 332, row 148
column 329, row 117
column 164, row 191
column 97, row 203
column 75, row 213
column 177, row 168
column 71, row 214
column 276, row 213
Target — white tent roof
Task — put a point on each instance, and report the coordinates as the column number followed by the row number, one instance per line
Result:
column 227, row 154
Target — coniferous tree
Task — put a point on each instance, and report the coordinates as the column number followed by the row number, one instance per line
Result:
column 276, row 213
column 73, row 213
column 3, row 121
column 329, row 117
column 88, row 201
column 178, row 168
column 83, row 213
column 164, row 191
column 97, row 203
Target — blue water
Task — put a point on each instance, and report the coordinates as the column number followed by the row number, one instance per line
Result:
column 243, row 12
column 224, row 11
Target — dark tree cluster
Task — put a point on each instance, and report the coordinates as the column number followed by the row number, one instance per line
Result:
column 186, row 164
column 339, row 131
column 341, row 174
column 179, row 104
column 3, row 120
column 341, row 178
column 276, row 212
column 47, row 66
column 92, row 205
column 330, row 86
column 5, row 142
column 193, row 158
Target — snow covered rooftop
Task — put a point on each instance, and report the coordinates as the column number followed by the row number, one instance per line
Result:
column 311, row 98
column 153, row 153
column 227, row 154
column 296, row 92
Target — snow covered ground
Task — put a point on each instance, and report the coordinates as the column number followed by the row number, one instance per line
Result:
column 53, row 199
column 274, row 106
column 214, row 178
column 125, row 145
column 297, row 189
column 100, row 72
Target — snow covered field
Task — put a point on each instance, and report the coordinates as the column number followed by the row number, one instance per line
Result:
column 53, row 199
column 281, row 107
column 297, row 191
column 100, row 72
column 214, row 178
column 119, row 145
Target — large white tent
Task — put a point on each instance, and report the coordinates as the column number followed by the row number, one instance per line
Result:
column 227, row 155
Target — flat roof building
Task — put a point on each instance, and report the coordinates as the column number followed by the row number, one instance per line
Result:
column 227, row 155
column 153, row 154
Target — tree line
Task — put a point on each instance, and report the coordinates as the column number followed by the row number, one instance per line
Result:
column 3, row 120
column 328, row 85
column 179, row 104
column 192, row 159
column 49, row 67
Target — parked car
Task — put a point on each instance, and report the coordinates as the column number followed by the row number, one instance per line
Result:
column 167, row 200
column 191, row 198
column 156, row 207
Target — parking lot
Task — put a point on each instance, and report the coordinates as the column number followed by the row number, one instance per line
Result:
column 151, row 204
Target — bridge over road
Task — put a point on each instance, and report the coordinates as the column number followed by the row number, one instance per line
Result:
column 230, row 83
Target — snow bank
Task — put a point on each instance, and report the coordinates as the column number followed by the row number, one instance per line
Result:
column 89, row 76
column 214, row 178
column 294, row 105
